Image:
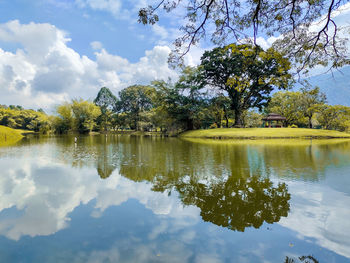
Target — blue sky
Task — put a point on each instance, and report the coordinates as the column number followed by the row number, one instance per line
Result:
column 55, row 50
column 52, row 51
column 85, row 22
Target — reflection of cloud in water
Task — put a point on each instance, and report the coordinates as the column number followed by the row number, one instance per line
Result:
column 322, row 214
column 172, row 251
column 46, row 194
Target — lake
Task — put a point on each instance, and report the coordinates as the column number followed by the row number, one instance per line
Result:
column 149, row 199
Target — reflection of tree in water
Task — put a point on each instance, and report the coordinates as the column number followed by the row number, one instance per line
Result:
column 197, row 173
column 105, row 161
column 98, row 151
column 105, row 169
column 303, row 259
column 235, row 203
column 220, row 179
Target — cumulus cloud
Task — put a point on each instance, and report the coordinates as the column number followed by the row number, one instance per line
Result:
column 321, row 214
column 44, row 71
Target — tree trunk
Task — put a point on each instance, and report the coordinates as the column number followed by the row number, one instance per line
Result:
column 226, row 117
column 189, row 124
column 310, row 122
column 238, row 121
column 136, row 122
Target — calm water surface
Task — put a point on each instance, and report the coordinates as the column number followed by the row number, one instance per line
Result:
column 143, row 199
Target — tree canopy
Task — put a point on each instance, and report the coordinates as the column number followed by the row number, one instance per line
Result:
column 309, row 33
column 105, row 99
column 247, row 73
column 134, row 100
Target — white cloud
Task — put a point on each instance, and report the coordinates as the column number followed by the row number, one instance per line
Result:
column 322, row 214
column 46, row 186
column 150, row 67
column 112, row 6
column 96, row 45
column 193, row 57
column 44, row 71
column 160, row 31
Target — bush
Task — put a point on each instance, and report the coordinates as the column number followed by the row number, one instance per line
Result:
column 213, row 126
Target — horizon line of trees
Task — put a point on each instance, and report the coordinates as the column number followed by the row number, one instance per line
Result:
column 166, row 107
column 232, row 87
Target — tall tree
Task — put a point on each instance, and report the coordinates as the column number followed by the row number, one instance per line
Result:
column 219, row 107
column 105, row 99
column 184, row 101
column 335, row 117
column 311, row 101
column 85, row 114
column 247, row 73
column 134, row 100
column 234, row 20
column 107, row 103
column 191, row 99
column 288, row 105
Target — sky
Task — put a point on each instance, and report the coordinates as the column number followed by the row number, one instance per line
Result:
column 52, row 51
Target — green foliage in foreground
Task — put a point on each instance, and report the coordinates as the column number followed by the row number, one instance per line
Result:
column 264, row 133
column 9, row 136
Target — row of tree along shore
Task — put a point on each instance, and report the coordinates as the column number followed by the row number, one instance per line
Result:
column 232, row 87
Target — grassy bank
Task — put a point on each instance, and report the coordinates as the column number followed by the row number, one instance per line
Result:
column 269, row 142
column 264, row 133
column 9, row 136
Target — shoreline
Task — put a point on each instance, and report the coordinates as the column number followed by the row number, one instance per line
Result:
column 264, row 134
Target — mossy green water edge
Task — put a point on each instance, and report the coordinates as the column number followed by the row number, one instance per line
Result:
column 9, row 136
column 264, row 133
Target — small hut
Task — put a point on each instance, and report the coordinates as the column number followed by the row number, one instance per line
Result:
column 274, row 120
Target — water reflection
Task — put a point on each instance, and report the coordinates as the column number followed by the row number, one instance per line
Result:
column 45, row 181
column 236, row 203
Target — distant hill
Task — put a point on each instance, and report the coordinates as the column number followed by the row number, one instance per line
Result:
column 336, row 87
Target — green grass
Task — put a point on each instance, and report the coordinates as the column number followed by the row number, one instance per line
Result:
column 9, row 136
column 271, row 142
column 264, row 133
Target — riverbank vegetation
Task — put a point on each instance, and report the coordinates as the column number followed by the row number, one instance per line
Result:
column 264, row 133
column 234, row 86
column 18, row 118
column 9, row 136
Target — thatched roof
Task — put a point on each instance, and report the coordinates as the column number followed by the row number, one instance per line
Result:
column 274, row 117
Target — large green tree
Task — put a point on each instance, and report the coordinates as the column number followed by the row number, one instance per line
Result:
column 247, row 73
column 64, row 120
column 183, row 101
column 85, row 115
column 107, row 102
column 287, row 104
column 19, row 118
column 334, row 117
column 299, row 107
column 134, row 100
column 105, row 99
column 311, row 101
